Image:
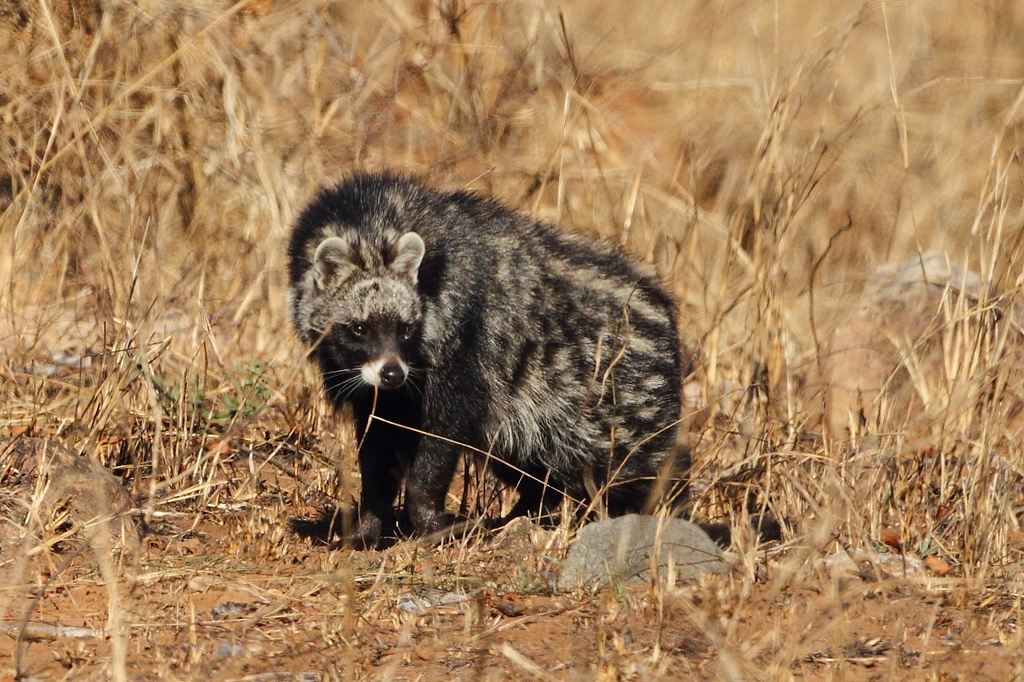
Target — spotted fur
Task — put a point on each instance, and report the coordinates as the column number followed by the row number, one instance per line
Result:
column 553, row 352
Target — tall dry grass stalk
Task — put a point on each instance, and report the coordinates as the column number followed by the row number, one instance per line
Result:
column 765, row 157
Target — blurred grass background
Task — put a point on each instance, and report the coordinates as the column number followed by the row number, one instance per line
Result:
column 765, row 157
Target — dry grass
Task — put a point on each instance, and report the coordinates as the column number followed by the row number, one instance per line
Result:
column 766, row 157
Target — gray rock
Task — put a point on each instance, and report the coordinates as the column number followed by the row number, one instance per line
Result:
column 892, row 359
column 621, row 548
column 76, row 488
column 226, row 650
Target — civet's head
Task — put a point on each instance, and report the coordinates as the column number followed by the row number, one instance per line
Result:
column 355, row 303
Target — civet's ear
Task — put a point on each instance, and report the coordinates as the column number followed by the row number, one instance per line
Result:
column 407, row 255
column 333, row 261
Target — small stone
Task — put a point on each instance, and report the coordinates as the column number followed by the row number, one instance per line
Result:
column 232, row 609
column 873, row 565
column 225, row 650
column 621, row 548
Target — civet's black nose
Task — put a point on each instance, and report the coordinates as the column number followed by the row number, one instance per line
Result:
column 392, row 376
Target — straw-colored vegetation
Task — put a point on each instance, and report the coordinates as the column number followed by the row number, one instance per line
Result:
column 765, row 157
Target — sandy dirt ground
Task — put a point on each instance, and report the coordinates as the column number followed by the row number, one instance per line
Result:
column 195, row 608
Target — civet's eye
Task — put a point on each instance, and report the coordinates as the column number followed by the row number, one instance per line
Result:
column 359, row 330
column 404, row 331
